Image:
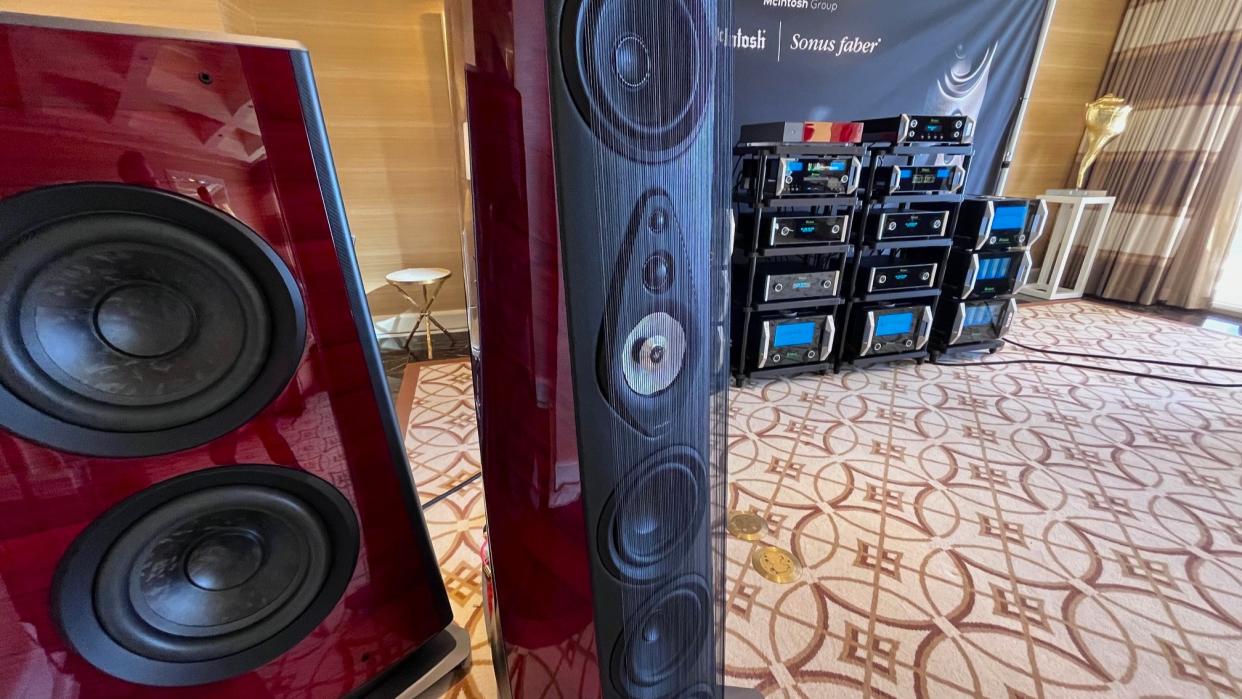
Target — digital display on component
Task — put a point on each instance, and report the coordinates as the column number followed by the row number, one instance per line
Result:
column 1009, row 218
column 933, row 128
column 978, row 315
column 794, row 334
column 993, row 268
column 794, row 166
column 894, row 324
column 925, row 176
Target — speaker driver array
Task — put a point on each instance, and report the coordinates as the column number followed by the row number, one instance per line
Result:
column 137, row 322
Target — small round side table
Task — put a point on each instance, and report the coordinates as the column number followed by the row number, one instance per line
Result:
column 430, row 280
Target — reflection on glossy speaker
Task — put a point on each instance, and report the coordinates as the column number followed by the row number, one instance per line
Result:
column 204, row 483
column 601, row 265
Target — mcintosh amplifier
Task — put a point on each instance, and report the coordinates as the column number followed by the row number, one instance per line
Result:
column 1000, row 223
column 808, row 177
column 877, row 275
column 966, row 322
column 920, row 129
column 920, row 179
column 781, row 231
column 982, row 275
column 905, row 225
column 794, row 340
column 892, row 329
column 793, row 282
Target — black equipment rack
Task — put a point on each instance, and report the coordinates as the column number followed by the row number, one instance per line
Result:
column 874, row 201
column 747, row 251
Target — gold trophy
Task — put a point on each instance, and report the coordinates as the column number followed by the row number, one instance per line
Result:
column 1107, row 118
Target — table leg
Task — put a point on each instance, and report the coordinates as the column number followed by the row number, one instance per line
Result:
column 1067, row 245
column 427, row 314
column 1093, row 248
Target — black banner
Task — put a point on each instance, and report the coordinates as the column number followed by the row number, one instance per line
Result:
column 844, row 60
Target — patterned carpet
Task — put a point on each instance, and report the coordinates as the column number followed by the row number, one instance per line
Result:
column 1000, row 531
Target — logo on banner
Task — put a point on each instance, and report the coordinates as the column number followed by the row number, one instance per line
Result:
column 753, row 41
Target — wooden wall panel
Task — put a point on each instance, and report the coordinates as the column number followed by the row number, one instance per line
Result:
column 1080, row 41
column 199, row 15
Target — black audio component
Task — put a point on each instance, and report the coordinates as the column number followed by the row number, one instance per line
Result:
column 889, row 329
column 779, row 231
column 795, row 340
column 796, row 285
column 1000, row 223
column 966, row 322
column 809, row 177
column 982, row 275
column 920, row 179
column 904, row 225
column 946, row 129
column 880, row 274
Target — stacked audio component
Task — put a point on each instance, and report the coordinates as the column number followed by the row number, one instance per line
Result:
column 795, row 206
column 911, row 195
column 204, row 482
column 989, row 263
column 597, row 139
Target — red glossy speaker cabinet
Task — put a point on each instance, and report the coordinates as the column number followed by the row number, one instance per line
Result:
column 598, row 140
column 202, row 482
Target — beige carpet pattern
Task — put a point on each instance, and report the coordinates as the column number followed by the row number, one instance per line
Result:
column 1000, row 531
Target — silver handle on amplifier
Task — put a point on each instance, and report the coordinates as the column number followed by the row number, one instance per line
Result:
column 883, row 226
column 959, row 177
column 836, row 283
column 845, row 228
column 935, row 268
column 972, row 276
column 827, row 337
column 732, row 228
column 959, row 322
column 968, row 129
column 871, row 281
column 775, row 228
column 765, row 337
column 868, row 334
column 1024, row 271
column 903, row 128
column 944, row 224
column 855, row 175
column 894, row 180
column 1038, row 223
column 985, row 230
column 925, row 328
column 1011, row 310
column 781, row 173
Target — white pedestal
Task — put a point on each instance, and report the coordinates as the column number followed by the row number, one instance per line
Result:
column 1065, row 233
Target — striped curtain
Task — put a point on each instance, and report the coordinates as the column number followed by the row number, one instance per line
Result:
column 1176, row 172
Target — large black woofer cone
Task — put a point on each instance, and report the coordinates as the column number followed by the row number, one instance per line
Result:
column 649, row 521
column 136, row 322
column 662, row 652
column 206, row 576
column 639, row 71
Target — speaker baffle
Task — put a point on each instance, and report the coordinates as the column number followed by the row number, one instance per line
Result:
column 136, row 322
column 639, row 71
column 653, row 334
column 661, row 652
column 653, row 514
column 206, row 576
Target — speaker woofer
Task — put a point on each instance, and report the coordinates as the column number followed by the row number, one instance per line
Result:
column 652, row 515
column 662, row 648
column 206, row 576
column 639, row 71
column 136, row 322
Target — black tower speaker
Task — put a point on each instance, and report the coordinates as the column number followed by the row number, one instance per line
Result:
column 638, row 125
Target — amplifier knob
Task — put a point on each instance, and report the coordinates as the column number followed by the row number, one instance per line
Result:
column 810, row 354
column 957, row 124
column 836, row 229
column 878, row 347
column 845, row 178
column 778, row 287
column 957, row 134
column 936, row 225
column 914, row 122
column 992, row 240
column 892, row 225
column 926, row 276
column 909, row 343
column 883, row 278
column 785, row 231
column 776, row 359
column 788, row 179
column 827, row 283
column 1022, row 239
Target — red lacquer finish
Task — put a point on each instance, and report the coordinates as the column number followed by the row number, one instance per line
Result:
column 220, row 123
column 531, row 476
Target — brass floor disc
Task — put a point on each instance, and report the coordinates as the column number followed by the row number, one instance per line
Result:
column 776, row 564
column 746, row 526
